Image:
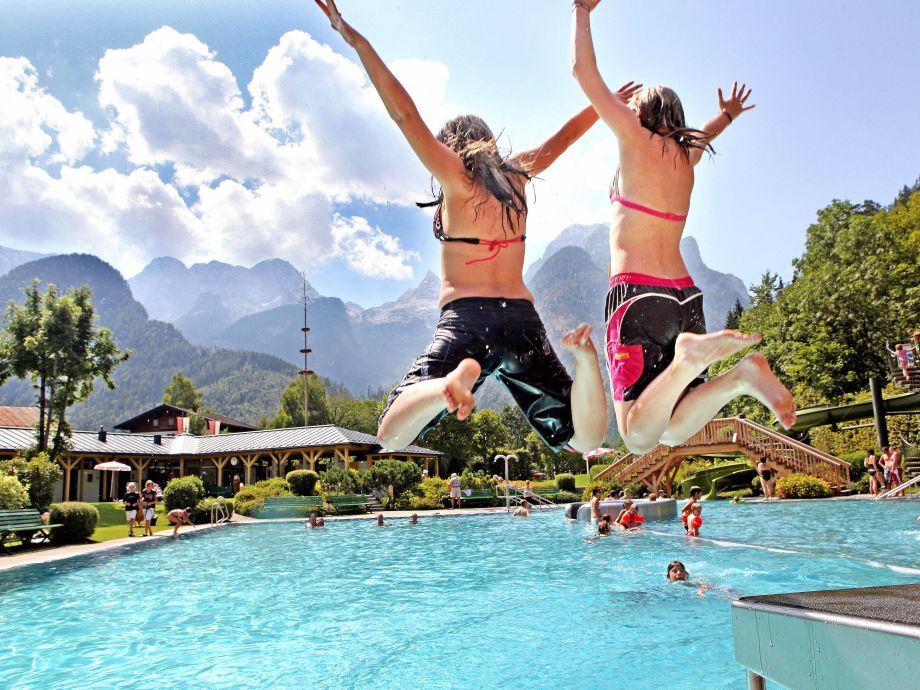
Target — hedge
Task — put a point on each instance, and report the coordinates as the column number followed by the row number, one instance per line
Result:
column 251, row 499
column 201, row 513
column 183, row 492
column 78, row 522
column 566, row 482
column 302, row 482
column 798, row 485
column 13, row 494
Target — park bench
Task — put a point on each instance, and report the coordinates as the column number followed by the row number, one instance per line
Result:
column 21, row 526
column 219, row 491
column 475, row 495
column 343, row 502
column 289, row 506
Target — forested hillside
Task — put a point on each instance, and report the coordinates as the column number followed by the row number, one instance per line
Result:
column 241, row 384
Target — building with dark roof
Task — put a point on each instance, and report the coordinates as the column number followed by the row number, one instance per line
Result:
column 162, row 420
column 253, row 455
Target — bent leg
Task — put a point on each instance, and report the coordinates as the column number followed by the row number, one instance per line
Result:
column 751, row 376
column 589, row 404
column 643, row 422
column 416, row 405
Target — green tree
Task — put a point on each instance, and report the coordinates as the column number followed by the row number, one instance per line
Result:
column 733, row 317
column 353, row 413
column 52, row 339
column 489, row 434
column 515, row 424
column 290, row 410
column 767, row 290
column 453, row 438
column 181, row 392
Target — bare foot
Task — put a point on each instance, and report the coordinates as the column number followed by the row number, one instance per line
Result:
column 702, row 350
column 763, row 385
column 458, row 387
column 578, row 341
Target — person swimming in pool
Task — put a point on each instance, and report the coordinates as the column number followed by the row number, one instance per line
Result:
column 677, row 572
column 657, row 347
column 488, row 325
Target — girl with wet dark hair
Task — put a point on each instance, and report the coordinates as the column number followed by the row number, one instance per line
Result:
column 657, row 347
column 488, row 325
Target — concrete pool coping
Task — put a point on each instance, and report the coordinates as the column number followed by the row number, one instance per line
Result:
column 49, row 554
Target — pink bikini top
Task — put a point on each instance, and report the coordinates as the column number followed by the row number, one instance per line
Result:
column 615, row 198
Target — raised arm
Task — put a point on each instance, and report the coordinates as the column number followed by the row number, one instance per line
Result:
column 729, row 110
column 609, row 107
column 442, row 163
column 539, row 159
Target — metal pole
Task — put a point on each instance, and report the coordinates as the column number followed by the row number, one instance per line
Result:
column 305, row 372
column 506, row 458
column 878, row 412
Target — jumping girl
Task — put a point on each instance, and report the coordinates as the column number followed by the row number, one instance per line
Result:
column 488, row 323
column 657, row 347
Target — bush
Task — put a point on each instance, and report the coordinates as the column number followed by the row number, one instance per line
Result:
column 77, row 520
column 336, row 480
column 251, row 499
column 429, row 494
column 39, row 473
column 636, row 490
column 201, row 512
column 566, row 497
column 248, row 507
column 302, row 482
column 798, row 485
column 606, row 486
column 400, row 474
column 183, row 492
column 13, row 494
column 595, row 470
column 862, row 486
column 857, row 460
column 565, row 482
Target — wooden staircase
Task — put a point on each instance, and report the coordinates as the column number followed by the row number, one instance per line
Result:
column 660, row 465
column 911, row 383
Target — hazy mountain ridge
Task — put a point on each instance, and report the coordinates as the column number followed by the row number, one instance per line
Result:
column 244, row 385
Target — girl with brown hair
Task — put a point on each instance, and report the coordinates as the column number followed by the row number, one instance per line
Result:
column 657, row 347
column 488, row 324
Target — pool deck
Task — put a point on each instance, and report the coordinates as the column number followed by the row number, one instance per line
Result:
column 47, row 554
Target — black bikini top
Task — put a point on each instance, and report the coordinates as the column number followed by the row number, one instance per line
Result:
column 495, row 246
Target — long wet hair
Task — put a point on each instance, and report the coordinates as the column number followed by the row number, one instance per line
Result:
column 661, row 112
column 470, row 137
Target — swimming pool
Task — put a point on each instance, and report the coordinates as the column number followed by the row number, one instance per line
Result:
column 478, row 601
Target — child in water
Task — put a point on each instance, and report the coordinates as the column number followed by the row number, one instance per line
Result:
column 695, row 493
column 488, row 324
column 657, row 346
column 629, row 517
column 694, row 520
column 603, row 527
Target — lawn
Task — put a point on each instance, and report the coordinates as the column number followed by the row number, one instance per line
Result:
column 112, row 523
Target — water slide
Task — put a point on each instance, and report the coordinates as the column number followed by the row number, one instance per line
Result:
column 809, row 417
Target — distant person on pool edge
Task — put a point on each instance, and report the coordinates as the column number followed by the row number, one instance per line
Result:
column 454, row 484
column 488, row 325
column 657, row 346
column 177, row 517
column 766, row 478
column 149, row 496
column 132, row 501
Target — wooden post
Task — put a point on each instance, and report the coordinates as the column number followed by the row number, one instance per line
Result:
column 437, row 467
column 248, row 461
column 181, row 467
column 68, row 465
column 220, row 463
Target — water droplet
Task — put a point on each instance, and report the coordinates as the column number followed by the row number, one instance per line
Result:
column 504, row 304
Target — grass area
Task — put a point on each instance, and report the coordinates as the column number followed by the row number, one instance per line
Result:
column 112, row 523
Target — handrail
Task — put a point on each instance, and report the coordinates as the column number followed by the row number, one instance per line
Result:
column 899, row 489
column 219, row 513
column 620, row 460
column 746, row 435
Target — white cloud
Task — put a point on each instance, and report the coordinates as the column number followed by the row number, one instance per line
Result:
column 250, row 182
column 370, row 251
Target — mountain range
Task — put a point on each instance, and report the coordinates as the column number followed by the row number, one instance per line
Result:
column 223, row 325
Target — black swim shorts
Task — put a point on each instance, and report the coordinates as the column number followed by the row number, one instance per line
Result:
column 644, row 315
column 508, row 340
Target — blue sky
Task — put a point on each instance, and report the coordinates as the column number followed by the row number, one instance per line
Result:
column 234, row 135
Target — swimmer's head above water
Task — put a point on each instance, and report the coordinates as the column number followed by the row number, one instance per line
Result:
column 677, row 572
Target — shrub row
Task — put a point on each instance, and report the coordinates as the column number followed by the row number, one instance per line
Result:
column 798, row 485
column 251, row 499
column 78, row 522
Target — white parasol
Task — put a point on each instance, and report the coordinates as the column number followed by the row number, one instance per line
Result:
column 112, row 467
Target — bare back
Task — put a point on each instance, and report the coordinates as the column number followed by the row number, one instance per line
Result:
column 476, row 213
column 655, row 173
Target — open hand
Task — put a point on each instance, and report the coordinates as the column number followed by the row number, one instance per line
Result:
column 627, row 91
column 335, row 19
column 578, row 340
column 734, row 105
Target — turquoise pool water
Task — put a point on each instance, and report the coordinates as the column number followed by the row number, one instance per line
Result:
column 481, row 601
